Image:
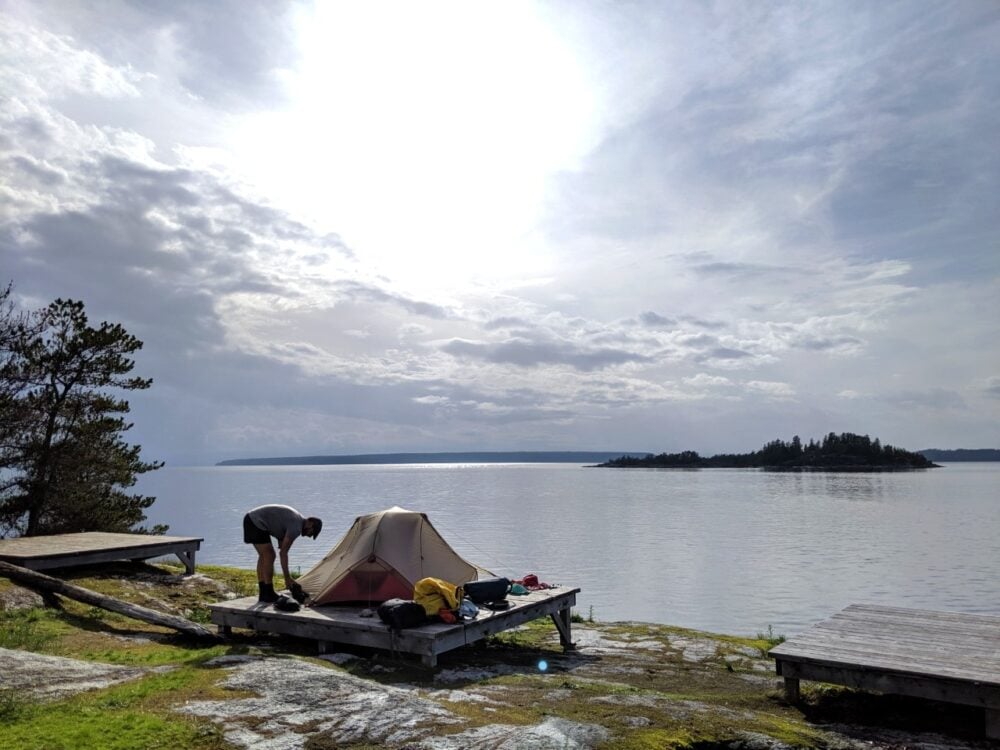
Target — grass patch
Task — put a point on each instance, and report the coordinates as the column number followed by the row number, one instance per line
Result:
column 766, row 641
column 12, row 704
column 88, row 727
column 133, row 715
column 22, row 629
column 238, row 580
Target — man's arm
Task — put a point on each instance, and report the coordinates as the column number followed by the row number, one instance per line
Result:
column 283, row 548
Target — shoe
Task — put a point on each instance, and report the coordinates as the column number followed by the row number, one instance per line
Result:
column 267, row 593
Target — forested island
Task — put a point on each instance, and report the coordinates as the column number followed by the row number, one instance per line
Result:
column 843, row 452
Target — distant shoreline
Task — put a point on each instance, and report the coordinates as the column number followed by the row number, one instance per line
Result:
column 474, row 457
column 529, row 457
column 961, row 455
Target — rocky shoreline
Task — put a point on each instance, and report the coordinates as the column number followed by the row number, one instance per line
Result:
column 628, row 685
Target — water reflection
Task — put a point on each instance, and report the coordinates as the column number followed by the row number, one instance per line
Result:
column 856, row 486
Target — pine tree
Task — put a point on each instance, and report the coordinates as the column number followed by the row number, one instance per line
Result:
column 65, row 463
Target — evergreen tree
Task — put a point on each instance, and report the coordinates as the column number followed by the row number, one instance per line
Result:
column 66, row 467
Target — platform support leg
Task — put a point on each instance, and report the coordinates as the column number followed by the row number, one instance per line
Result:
column 792, row 694
column 564, row 626
column 187, row 558
column 429, row 660
column 993, row 723
column 225, row 630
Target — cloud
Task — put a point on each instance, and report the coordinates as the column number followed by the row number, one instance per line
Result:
column 771, row 388
column 803, row 196
column 725, row 353
column 654, row 320
column 431, row 400
column 704, row 380
column 931, row 398
column 741, row 272
column 992, row 387
column 524, row 353
column 358, row 290
column 50, row 65
column 506, row 322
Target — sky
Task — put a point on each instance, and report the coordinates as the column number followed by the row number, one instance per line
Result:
column 382, row 227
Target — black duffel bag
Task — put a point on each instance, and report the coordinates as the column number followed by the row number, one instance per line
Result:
column 487, row 590
column 401, row 613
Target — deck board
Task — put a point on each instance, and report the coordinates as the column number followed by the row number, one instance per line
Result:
column 328, row 624
column 945, row 656
column 85, row 548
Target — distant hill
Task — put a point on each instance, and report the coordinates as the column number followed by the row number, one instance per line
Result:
column 844, row 452
column 487, row 457
column 961, row 454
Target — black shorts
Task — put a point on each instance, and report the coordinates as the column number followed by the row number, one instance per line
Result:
column 252, row 534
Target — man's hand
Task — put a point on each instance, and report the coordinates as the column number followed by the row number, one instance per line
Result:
column 297, row 592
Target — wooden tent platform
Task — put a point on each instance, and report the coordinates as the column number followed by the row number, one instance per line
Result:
column 329, row 624
column 937, row 655
column 68, row 550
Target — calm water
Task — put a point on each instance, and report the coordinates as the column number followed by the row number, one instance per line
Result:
column 723, row 550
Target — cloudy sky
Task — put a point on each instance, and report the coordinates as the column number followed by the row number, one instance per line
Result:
column 379, row 227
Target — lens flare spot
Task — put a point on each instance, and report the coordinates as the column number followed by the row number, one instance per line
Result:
column 543, row 665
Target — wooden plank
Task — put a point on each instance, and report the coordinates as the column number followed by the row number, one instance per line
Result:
column 984, row 669
column 993, row 723
column 55, row 545
column 872, row 624
column 939, row 689
column 906, row 613
column 867, row 660
column 343, row 624
column 917, row 628
column 944, row 656
column 953, row 651
column 86, row 548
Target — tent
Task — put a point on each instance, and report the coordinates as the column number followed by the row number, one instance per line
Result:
column 381, row 557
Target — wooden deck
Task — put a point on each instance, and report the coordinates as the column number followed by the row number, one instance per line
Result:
column 937, row 655
column 67, row 550
column 329, row 624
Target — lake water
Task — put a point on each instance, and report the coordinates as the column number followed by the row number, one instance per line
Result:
column 731, row 551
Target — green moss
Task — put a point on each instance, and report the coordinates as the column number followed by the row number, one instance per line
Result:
column 133, row 715
column 150, row 654
column 652, row 739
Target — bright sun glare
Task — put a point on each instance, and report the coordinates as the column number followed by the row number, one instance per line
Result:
column 424, row 135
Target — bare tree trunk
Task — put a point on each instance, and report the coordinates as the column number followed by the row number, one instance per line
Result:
column 47, row 583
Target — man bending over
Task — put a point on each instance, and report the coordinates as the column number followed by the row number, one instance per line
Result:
column 286, row 525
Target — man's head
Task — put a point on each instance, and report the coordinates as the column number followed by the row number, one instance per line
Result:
column 311, row 527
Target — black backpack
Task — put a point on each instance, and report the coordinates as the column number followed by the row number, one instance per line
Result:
column 487, row 590
column 401, row 613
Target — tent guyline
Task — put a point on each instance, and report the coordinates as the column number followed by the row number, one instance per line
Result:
column 506, row 568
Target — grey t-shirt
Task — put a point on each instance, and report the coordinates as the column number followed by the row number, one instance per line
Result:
column 278, row 520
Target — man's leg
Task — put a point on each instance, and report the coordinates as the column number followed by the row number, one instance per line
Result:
column 265, row 572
